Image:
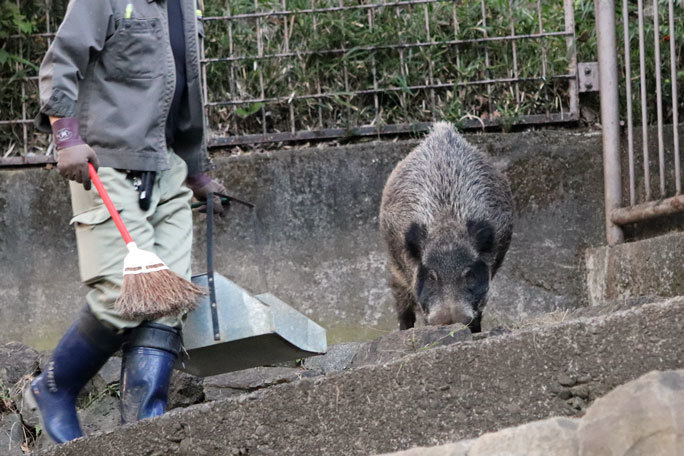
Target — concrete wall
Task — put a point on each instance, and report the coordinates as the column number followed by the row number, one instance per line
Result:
column 313, row 239
column 646, row 268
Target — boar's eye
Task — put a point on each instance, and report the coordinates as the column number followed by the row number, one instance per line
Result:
column 432, row 275
column 468, row 274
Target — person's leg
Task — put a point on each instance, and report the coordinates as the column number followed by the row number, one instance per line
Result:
column 99, row 331
column 151, row 352
column 148, row 359
column 81, row 352
column 101, row 249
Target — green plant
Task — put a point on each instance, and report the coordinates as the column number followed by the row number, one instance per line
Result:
column 20, row 54
column 110, row 390
column 337, row 59
column 311, row 68
column 5, row 401
column 12, row 21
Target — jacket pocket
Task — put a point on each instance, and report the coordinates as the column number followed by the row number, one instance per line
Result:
column 135, row 50
column 94, row 244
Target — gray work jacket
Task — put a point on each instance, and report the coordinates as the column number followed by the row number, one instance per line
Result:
column 111, row 66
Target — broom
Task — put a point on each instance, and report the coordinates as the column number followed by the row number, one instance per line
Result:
column 150, row 289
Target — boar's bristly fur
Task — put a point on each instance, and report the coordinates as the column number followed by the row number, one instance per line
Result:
column 447, row 219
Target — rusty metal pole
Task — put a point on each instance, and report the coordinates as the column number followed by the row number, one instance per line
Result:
column 610, row 120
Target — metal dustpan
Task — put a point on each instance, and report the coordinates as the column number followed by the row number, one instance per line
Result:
column 232, row 330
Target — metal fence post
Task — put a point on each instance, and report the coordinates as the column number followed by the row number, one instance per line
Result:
column 571, row 45
column 610, row 121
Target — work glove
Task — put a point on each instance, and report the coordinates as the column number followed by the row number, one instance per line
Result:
column 73, row 153
column 201, row 185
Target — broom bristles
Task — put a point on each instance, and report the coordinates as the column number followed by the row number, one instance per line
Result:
column 152, row 295
column 150, row 291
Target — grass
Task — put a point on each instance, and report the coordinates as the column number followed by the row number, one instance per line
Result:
column 110, row 390
column 438, row 342
column 341, row 74
column 338, row 75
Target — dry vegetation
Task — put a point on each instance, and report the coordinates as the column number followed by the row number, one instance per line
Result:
column 296, row 81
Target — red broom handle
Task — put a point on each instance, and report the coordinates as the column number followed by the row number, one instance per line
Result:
column 110, row 205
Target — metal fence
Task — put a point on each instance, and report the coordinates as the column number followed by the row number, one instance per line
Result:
column 643, row 203
column 288, row 70
column 19, row 94
column 313, row 69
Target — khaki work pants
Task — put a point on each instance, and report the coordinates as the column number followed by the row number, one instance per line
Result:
column 165, row 229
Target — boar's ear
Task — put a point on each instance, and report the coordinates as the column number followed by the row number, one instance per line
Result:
column 482, row 235
column 415, row 240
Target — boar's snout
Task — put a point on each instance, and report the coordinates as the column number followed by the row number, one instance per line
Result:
column 452, row 313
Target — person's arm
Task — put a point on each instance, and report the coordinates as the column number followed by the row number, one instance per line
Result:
column 73, row 153
column 200, row 183
column 83, row 32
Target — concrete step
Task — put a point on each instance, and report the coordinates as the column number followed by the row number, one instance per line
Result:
column 649, row 267
column 437, row 395
column 640, row 418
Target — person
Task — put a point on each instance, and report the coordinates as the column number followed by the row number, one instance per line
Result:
column 120, row 88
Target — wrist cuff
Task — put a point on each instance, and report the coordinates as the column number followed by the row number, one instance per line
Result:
column 66, row 134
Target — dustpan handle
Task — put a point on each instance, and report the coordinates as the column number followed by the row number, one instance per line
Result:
column 213, row 305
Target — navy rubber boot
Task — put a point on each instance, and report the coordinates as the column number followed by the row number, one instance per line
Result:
column 80, row 353
column 147, row 365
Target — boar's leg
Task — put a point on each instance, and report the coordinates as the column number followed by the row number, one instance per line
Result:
column 407, row 318
column 475, row 325
column 404, row 304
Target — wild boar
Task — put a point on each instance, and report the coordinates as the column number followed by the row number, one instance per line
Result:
column 447, row 219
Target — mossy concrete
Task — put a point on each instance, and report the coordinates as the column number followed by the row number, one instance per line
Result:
column 313, row 239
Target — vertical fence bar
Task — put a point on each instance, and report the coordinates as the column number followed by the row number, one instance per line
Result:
column 605, row 29
column 456, row 29
column 659, row 97
column 318, row 71
column 628, row 98
column 257, row 63
column 460, row 91
column 489, row 87
column 430, row 64
column 233, row 82
column 288, row 67
column 644, row 110
column 346, row 75
column 376, row 101
column 24, row 125
column 675, row 104
column 515, row 53
column 543, row 48
column 402, row 70
column 541, row 30
column 573, row 91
